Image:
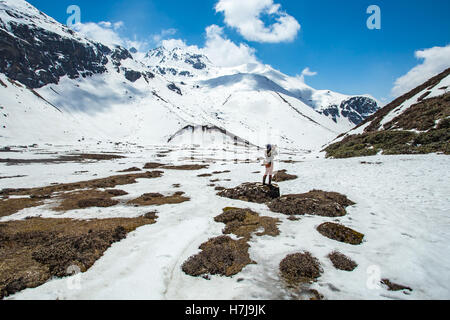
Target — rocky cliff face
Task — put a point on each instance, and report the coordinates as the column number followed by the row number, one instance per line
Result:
column 36, row 50
column 355, row 109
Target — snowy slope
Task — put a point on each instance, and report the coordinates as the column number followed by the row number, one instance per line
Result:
column 404, row 219
column 98, row 92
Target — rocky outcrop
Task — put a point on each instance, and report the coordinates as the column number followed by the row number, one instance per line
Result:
column 175, row 89
column 355, row 109
column 316, row 202
column 252, row 192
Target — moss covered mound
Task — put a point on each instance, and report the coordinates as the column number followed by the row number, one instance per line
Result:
column 244, row 222
column 152, row 199
column 342, row 262
column 282, row 175
column 340, row 233
column 34, row 250
column 300, row 268
column 219, row 256
column 316, row 202
column 252, row 192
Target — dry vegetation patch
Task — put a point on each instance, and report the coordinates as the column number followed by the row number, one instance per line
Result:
column 187, row 167
column 34, row 250
column 104, row 183
column 316, row 202
column 282, row 175
column 340, row 233
column 300, row 268
column 394, row 286
column 12, row 206
column 342, row 262
column 252, row 192
column 219, row 256
column 133, row 169
column 153, row 165
column 244, row 222
column 152, row 199
column 88, row 198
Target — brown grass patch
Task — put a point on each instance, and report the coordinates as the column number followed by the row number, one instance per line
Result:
column 134, row 169
column 394, row 286
column 244, row 222
column 205, row 175
column 219, row 256
column 252, row 192
column 316, row 202
column 300, row 268
column 109, row 182
column 157, row 199
column 12, row 206
column 153, row 165
column 340, row 233
column 187, row 167
column 67, row 158
column 89, row 198
column 34, row 250
column 282, row 175
column 342, row 262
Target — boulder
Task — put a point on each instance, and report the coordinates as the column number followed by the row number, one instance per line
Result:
column 252, row 192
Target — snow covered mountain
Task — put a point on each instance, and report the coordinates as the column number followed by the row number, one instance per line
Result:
column 57, row 85
column 415, row 123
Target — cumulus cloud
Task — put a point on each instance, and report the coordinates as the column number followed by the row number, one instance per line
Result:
column 225, row 52
column 219, row 49
column 306, row 73
column 107, row 32
column 246, row 16
column 435, row 60
column 157, row 38
column 104, row 32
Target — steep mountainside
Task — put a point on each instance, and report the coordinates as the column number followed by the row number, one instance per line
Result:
column 57, row 85
column 417, row 122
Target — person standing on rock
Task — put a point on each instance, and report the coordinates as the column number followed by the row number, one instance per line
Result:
column 270, row 154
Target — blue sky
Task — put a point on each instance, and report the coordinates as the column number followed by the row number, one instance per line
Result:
column 333, row 40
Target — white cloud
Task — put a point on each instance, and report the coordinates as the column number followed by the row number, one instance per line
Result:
column 220, row 50
column 107, row 33
column 157, row 38
column 103, row 32
column 246, row 17
column 306, row 73
column 225, row 52
column 435, row 60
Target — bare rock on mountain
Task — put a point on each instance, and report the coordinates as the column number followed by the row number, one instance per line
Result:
column 316, row 202
column 252, row 192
